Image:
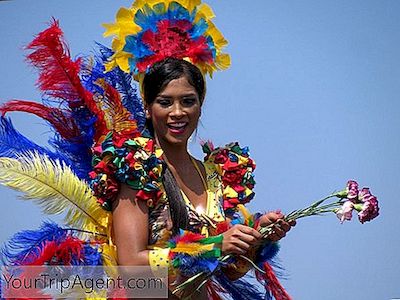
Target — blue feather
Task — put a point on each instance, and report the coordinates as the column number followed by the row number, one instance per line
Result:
column 79, row 156
column 159, row 8
column 28, row 242
column 91, row 71
column 240, row 289
column 74, row 154
column 78, row 151
column 146, row 21
column 134, row 45
column 198, row 29
column 118, row 79
column 266, row 253
column 92, row 255
column 211, row 45
column 153, row 16
column 191, row 265
column 13, row 143
column 178, row 12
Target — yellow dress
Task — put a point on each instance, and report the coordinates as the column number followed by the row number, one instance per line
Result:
column 160, row 222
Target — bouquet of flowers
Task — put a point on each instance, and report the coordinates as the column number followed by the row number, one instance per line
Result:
column 346, row 201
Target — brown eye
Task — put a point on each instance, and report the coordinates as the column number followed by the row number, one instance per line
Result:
column 163, row 102
column 189, row 101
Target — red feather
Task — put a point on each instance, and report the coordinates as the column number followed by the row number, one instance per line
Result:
column 172, row 39
column 272, row 283
column 53, row 253
column 60, row 253
column 59, row 74
column 71, row 247
column 188, row 237
column 213, row 289
column 58, row 118
column 45, row 255
column 222, row 227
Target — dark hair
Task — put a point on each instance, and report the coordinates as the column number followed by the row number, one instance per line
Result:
column 155, row 80
column 161, row 73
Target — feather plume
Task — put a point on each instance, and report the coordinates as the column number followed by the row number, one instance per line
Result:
column 50, row 244
column 273, row 285
column 75, row 155
column 13, row 143
column 93, row 69
column 56, row 189
column 60, row 119
column 29, row 243
column 71, row 109
column 56, row 253
column 117, row 117
column 192, row 248
column 124, row 83
column 78, row 149
column 59, row 74
column 239, row 289
column 213, row 289
column 109, row 254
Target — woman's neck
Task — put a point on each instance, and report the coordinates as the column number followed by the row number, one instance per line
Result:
column 175, row 155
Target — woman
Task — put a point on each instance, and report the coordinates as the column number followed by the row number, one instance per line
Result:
column 174, row 91
column 152, row 184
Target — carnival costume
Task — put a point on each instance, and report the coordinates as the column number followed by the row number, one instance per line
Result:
column 100, row 142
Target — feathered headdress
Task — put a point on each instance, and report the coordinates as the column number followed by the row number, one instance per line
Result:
column 150, row 31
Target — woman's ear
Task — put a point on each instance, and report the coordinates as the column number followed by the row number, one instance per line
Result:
column 147, row 112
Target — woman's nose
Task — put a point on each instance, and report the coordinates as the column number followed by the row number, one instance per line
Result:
column 177, row 110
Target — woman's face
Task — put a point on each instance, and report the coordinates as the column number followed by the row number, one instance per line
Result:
column 175, row 112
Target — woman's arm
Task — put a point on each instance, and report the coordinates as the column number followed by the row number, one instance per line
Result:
column 130, row 228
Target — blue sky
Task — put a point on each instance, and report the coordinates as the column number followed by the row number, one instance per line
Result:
column 313, row 90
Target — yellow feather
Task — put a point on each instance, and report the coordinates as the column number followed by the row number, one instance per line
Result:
column 117, row 117
column 123, row 61
column 54, row 186
column 223, row 61
column 192, row 248
column 217, row 37
column 204, row 12
column 109, row 255
column 246, row 214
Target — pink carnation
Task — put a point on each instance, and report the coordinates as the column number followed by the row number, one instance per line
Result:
column 364, row 195
column 369, row 209
column 352, row 190
column 345, row 212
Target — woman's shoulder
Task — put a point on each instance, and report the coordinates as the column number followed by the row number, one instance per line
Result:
column 135, row 161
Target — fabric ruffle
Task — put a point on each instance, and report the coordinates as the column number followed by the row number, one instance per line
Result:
column 236, row 170
column 135, row 162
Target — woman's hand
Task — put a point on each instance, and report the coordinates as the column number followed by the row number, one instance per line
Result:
column 280, row 228
column 239, row 239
